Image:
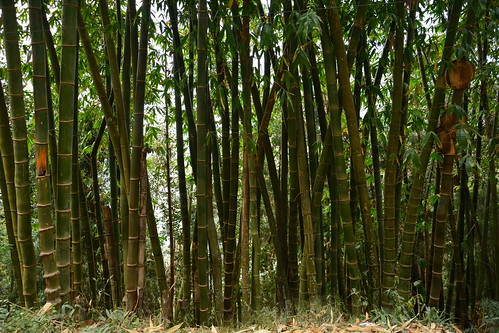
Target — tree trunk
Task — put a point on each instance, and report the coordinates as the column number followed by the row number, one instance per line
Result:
column 43, row 190
column 356, row 151
column 250, row 151
column 14, row 254
column 134, row 225
column 415, row 195
column 20, row 144
column 184, row 84
column 77, row 287
column 202, row 157
column 111, row 254
column 179, row 72
column 341, row 175
column 230, row 232
column 392, row 163
column 439, row 236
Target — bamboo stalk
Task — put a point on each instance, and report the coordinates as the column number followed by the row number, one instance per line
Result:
column 341, row 176
column 9, row 193
column 20, row 145
column 409, row 232
column 355, row 149
column 134, row 255
column 202, row 158
column 392, row 165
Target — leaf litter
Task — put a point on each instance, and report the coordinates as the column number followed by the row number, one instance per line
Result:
column 339, row 326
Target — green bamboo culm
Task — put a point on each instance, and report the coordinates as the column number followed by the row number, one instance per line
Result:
column 93, row 65
column 122, row 149
column 316, row 211
column 98, row 215
column 14, row 254
column 185, row 293
column 308, row 288
column 317, row 190
column 110, row 249
column 19, row 133
column 183, row 85
column 87, row 238
column 356, row 150
column 132, row 259
column 409, row 233
column 230, row 232
column 152, row 228
column 439, row 236
column 307, row 272
column 447, row 135
column 64, row 156
column 76, row 239
column 202, row 153
column 341, row 175
column 307, row 285
column 290, row 45
column 43, row 190
column 9, row 193
column 251, row 151
column 389, row 230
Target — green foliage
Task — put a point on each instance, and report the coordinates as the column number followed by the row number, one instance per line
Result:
column 403, row 312
column 432, row 315
column 6, row 290
column 16, row 319
column 488, row 312
column 115, row 321
column 412, row 156
column 267, row 36
column 307, row 23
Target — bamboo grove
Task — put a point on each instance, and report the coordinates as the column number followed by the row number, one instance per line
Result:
column 217, row 157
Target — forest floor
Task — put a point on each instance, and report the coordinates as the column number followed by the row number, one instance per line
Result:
column 343, row 327
column 322, row 321
column 312, row 320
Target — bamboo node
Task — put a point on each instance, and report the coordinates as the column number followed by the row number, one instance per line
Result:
column 39, row 205
column 23, row 213
column 53, row 290
column 23, row 240
column 62, row 83
column 18, row 117
column 21, row 161
column 46, row 254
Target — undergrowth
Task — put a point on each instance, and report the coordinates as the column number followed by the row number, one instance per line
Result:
column 17, row 319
